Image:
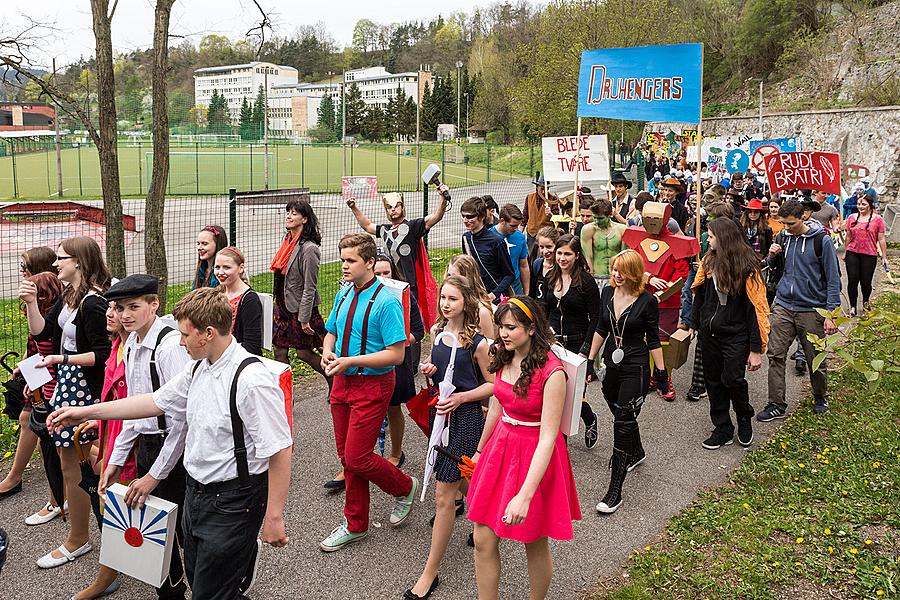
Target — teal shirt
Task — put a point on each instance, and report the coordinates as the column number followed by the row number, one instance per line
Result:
column 386, row 324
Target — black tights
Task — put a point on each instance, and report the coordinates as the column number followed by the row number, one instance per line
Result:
column 624, row 389
column 860, row 271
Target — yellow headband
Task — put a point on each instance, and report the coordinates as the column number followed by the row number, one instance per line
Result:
column 524, row 308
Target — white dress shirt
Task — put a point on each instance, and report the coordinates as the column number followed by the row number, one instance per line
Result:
column 171, row 359
column 202, row 400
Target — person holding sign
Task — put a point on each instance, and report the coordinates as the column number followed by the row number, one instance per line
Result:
column 403, row 241
column 238, row 446
column 628, row 333
column 522, row 488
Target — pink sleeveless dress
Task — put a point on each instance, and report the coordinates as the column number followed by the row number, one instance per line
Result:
column 503, row 466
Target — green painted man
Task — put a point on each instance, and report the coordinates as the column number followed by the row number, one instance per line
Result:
column 601, row 240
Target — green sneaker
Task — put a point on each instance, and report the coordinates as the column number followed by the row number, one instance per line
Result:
column 340, row 537
column 403, row 504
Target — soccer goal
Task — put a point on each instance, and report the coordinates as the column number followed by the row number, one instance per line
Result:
column 210, row 172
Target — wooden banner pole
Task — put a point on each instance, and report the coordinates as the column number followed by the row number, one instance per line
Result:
column 577, row 171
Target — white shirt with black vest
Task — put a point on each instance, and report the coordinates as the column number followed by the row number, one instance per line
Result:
column 201, row 398
column 171, row 359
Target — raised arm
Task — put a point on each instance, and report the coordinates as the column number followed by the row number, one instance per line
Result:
column 434, row 218
column 361, row 218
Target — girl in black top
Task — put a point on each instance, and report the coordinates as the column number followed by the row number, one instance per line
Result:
column 246, row 307
column 757, row 232
column 571, row 297
column 81, row 345
column 210, row 240
column 629, row 325
column 546, row 249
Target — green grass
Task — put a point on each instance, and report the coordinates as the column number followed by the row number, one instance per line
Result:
column 812, row 513
column 13, row 328
column 213, row 170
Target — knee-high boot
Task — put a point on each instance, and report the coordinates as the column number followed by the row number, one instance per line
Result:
column 636, row 454
column 613, row 498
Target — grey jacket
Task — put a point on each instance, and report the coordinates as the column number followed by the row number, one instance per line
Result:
column 301, row 285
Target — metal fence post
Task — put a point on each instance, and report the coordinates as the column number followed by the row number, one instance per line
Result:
column 80, row 181
column 531, row 156
column 488, row 148
column 640, row 169
column 197, row 165
column 232, row 216
column 12, row 150
column 251, row 167
column 140, row 170
column 443, row 160
column 302, row 169
column 398, row 170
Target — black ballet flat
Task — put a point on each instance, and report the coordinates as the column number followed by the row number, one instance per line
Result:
column 11, row 491
column 335, row 485
column 408, row 594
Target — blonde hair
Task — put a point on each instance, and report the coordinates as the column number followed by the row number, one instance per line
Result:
column 468, row 269
column 238, row 257
column 471, row 319
column 205, row 307
column 630, row 266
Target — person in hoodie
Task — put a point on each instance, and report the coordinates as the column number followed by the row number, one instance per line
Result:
column 731, row 315
column 810, row 280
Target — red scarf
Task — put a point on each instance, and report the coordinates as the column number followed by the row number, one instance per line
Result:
column 280, row 262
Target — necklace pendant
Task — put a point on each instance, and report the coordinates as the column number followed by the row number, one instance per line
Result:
column 617, row 355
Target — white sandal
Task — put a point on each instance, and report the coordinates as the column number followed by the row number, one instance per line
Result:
column 39, row 519
column 48, row 561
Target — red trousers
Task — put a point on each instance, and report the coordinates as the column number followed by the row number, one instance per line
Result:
column 359, row 405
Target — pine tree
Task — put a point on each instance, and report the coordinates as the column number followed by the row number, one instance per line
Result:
column 259, row 112
column 373, row 123
column 245, row 123
column 355, row 110
column 427, row 120
column 326, row 118
column 338, row 121
column 217, row 118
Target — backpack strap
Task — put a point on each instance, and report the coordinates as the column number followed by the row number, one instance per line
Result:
column 237, row 426
column 154, row 374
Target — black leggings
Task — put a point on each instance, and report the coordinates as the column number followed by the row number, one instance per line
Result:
column 624, row 389
column 860, row 271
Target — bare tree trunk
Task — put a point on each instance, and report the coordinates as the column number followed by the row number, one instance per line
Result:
column 154, row 206
column 107, row 149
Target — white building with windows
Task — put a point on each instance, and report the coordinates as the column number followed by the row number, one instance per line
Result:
column 294, row 107
column 236, row 82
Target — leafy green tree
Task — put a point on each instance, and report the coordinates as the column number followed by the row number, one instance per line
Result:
column 245, row 123
column 326, row 119
column 259, row 113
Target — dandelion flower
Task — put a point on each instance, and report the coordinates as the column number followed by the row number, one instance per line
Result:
column 746, row 505
column 801, row 465
column 876, row 570
column 799, row 540
column 854, row 551
column 827, row 531
column 656, row 572
column 868, row 542
column 830, row 549
column 879, row 592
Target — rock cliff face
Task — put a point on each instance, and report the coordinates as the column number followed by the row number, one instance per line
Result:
column 863, row 136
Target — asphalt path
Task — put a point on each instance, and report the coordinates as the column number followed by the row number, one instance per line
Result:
column 390, row 560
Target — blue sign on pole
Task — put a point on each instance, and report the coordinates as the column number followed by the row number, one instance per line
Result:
column 794, row 144
column 644, row 83
column 737, row 161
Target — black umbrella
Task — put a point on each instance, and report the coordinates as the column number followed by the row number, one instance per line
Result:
column 40, row 410
column 89, row 479
column 13, row 390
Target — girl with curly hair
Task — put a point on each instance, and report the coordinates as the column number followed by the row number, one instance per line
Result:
column 522, row 488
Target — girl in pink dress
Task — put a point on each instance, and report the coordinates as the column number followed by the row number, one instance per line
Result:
column 522, row 488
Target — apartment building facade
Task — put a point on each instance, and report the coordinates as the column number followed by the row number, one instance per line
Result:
column 236, row 82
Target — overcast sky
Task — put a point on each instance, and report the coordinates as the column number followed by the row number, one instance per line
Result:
column 133, row 22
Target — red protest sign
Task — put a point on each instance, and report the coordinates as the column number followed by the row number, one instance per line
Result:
column 804, row 171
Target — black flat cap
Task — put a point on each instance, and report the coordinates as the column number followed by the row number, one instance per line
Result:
column 132, row 287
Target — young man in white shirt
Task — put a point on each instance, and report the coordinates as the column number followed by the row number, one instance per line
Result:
column 153, row 356
column 238, row 465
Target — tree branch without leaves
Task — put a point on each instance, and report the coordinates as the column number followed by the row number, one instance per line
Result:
column 260, row 30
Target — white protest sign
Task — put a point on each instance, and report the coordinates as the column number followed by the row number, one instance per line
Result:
column 35, row 377
column 561, row 157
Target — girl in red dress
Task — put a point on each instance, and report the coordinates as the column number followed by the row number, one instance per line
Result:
column 522, row 488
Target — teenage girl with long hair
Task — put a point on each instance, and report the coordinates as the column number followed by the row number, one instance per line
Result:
column 731, row 315
column 628, row 332
column 546, row 250
column 246, row 307
column 757, row 231
column 572, row 300
column 523, row 488
column 81, row 346
column 463, row 265
column 458, row 307
column 210, row 240
column 865, row 242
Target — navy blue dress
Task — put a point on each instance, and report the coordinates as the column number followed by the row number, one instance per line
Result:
column 467, row 421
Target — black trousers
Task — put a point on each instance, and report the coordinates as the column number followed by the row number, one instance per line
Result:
column 860, row 271
column 624, row 388
column 724, row 369
column 172, row 489
column 221, row 523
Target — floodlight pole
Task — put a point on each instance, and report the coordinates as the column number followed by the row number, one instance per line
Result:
column 56, row 130
column 418, row 121
column 265, row 130
column 459, row 65
column 344, row 124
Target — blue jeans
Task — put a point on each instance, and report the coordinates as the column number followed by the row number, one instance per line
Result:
column 687, row 297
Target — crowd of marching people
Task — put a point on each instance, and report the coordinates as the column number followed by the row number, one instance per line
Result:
column 180, row 407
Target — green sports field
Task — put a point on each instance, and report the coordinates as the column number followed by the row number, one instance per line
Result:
column 199, row 169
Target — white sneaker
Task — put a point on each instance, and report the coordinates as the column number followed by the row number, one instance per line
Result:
column 48, row 561
column 38, row 519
